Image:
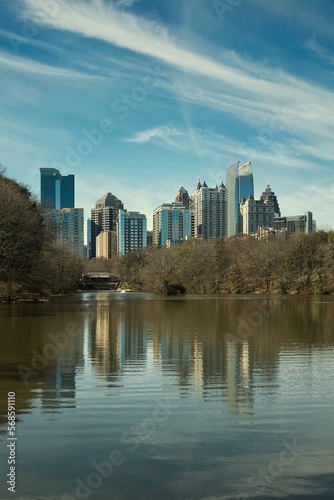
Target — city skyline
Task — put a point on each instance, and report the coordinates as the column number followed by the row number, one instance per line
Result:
column 204, row 88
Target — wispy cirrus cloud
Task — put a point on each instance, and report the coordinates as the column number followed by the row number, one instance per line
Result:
column 165, row 133
column 126, row 3
column 27, row 65
column 323, row 53
column 227, row 83
column 211, row 144
column 151, row 38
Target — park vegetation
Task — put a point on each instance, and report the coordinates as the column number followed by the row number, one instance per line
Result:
column 31, row 262
column 299, row 264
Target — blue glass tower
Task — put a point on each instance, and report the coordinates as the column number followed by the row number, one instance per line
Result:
column 57, row 191
column 67, row 191
column 239, row 185
column 171, row 221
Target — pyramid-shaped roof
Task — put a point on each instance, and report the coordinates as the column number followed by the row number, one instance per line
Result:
column 107, row 200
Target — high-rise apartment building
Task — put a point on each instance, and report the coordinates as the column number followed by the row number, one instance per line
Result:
column 57, row 191
column 256, row 214
column 171, row 221
column 209, row 211
column 239, row 185
column 103, row 218
column 131, row 231
column 67, row 227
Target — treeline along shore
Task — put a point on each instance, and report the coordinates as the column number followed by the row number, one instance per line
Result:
column 31, row 262
column 239, row 265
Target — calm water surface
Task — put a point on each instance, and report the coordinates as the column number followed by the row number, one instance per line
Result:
column 131, row 396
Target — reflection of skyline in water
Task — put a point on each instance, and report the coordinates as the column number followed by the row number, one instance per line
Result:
column 234, row 401
column 122, row 335
column 200, row 353
column 116, row 341
column 191, row 343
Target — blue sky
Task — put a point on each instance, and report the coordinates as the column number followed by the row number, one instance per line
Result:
column 139, row 97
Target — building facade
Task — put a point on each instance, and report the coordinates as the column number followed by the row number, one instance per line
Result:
column 295, row 224
column 149, row 238
column 103, row 218
column 67, row 227
column 106, row 244
column 131, row 231
column 209, row 211
column 239, row 185
column 256, row 214
column 171, row 221
column 57, row 191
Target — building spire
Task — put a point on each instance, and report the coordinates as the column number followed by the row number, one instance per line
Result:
column 269, row 195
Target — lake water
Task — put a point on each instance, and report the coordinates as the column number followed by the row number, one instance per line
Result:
column 131, row 396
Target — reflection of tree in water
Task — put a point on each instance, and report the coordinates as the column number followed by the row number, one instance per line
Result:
column 54, row 385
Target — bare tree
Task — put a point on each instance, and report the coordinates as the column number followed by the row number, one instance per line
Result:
column 22, row 233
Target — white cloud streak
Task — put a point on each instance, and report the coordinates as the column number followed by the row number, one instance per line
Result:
column 227, row 83
column 210, row 142
column 17, row 63
column 126, row 3
column 320, row 51
column 164, row 133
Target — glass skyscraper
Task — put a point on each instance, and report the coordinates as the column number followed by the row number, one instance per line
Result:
column 239, row 185
column 57, row 191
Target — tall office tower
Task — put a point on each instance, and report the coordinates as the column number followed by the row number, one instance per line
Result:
column 183, row 197
column 171, row 221
column 209, row 211
column 256, row 214
column 131, row 231
column 57, row 191
column 239, row 185
column 103, row 218
column 268, row 194
column 67, row 228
